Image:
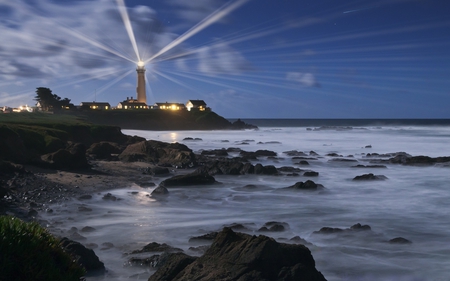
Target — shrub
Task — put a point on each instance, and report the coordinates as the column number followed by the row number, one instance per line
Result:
column 29, row 252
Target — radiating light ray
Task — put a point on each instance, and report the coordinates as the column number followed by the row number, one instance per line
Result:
column 95, row 43
column 110, row 84
column 174, row 80
column 126, row 20
column 109, row 72
column 211, row 19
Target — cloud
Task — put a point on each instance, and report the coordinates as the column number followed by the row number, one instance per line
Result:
column 195, row 11
column 221, row 59
column 49, row 38
column 306, row 79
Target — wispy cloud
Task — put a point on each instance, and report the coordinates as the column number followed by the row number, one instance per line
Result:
column 305, row 79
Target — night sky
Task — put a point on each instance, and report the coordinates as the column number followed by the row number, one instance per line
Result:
column 245, row 58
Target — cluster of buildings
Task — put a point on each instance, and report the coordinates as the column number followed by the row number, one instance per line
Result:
column 140, row 103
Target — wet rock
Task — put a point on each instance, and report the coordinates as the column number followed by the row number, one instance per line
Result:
column 161, row 153
column 239, row 226
column 368, row 177
column 310, row 174
column 418, row 160
column 206, row 237
column 85, row 257
column 239, row 256
column 308, row 185
column 294, row 153
column 342, row 160
column 109, row 196
column 143, row 262
column 73, row 157
column 160, row 191
column 189, row 179
column 259, row 153
column 103, row 150
column 400, row 240
column 274, row 226
column 156, row 247
column 107, row 245
column 88, row 229
column 369, row 166
column 299, row 240
column 303, row 162
column 216, row 152
column 354, row 228
column 192, row 139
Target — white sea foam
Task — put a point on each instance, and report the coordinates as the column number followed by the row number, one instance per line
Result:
column 412, row 203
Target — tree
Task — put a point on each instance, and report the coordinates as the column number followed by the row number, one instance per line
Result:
column 49, row 101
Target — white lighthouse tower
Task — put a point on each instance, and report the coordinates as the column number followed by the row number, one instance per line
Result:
column 140, row 89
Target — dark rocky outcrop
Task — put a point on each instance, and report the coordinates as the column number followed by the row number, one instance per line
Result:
column 160, row 191
column 400, row 240
column 369, row 166
column 307, row 185
column 103, row 150
column 274, row 226
column 310, row 174
column 73, row 157
column 161, row 153
column 354, row 228
column 154, row 247
column 255, row 154
column 189, row 180
column 238, row 256
column 418, row 160
column 369, row 177
column 84, row 256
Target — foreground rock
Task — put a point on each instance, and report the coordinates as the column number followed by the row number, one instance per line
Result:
column 161, row 153
column 83, row 256
column 238, row 256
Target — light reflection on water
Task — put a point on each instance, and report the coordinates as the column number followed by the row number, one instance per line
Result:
column 412, row 203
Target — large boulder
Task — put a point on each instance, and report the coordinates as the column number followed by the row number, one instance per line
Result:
column 161, row 153
column 239, row 256
column 104, row 149
column 73, row 157
column 82, row 255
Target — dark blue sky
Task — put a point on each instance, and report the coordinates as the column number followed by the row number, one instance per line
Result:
column 255, row 58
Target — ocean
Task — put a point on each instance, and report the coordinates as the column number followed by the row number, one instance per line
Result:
column 412, row 202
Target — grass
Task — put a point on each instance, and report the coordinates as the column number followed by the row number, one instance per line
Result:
column 29, row 252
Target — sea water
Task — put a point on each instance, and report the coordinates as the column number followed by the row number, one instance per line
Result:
column 413, row 203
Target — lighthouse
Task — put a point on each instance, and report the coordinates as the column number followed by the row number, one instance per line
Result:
column 140, row 89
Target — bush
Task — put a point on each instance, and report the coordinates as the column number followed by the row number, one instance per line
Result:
column 29, row 252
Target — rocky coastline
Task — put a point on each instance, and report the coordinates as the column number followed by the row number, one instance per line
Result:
column 76, row 165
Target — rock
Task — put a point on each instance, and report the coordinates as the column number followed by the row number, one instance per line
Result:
column 274, row 226
column 88, row 229
column 310, row 174
column 308, row 185
column 239, row 256
column 156, row 152
column 269, row 170
column 109, row 196
column 399, row 240
column 406, row 159
column 354, row 228
column 241, row 125
column 156, row 247
column 259, row 153
column 303, row 162
column 103, row 150
column 160, row 190
column 370, row 176
column 342, row 160
column 189, row 179
column 206, row 237
column 145, row 262
column 294, row 153
column 85, row 197
column 159, row 171
column 73, row 157
column 85, row 257
column 369, row 166
column 216, row 152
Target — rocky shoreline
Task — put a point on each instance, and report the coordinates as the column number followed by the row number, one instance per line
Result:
column 78, row 170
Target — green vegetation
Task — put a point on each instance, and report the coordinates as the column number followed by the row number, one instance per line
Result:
column 50, row 101
column 30, row 252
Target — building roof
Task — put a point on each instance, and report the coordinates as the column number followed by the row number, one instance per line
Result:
column 169, row 103
column 197, row 102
